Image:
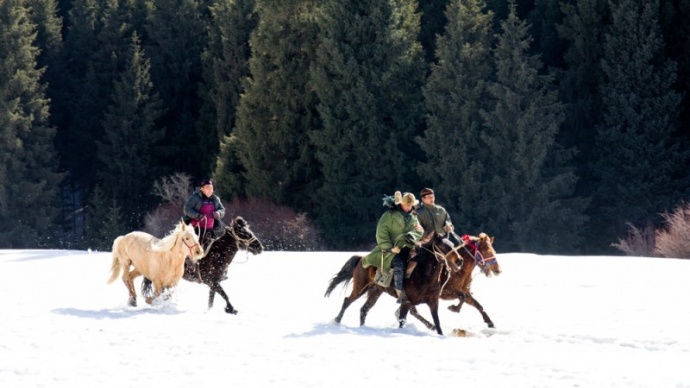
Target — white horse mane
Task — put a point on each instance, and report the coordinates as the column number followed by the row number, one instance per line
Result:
column 168, row 242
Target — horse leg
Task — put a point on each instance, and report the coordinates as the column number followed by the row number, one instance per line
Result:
column 211, row 297
column 217, row 288
column 128, row 279
column 433, row 307
column 415, row 313
column 402, row 317
column 461, row 299
column 357, row 292
column 474, row 303
column 372, row 296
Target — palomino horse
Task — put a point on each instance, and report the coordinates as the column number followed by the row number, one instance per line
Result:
column 214, row 267
column 162, row 260
column 423, row 286
column 475, row 251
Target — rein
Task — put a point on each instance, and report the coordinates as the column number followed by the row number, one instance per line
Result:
column 238, row 240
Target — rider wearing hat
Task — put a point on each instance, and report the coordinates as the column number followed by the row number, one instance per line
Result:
column 204, row 211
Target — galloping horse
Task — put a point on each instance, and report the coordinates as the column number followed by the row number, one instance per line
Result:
column 162, row 260
column 475, row 251
column 219, row 254
column 423, row 286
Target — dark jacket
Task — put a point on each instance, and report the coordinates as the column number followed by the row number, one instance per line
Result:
column 433, row 218
column 196, row 200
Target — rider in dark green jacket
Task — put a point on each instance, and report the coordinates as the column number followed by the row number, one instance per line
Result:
column 433, row 218
column 396, row 233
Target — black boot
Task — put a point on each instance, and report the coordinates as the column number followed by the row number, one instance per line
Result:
column 398, row 274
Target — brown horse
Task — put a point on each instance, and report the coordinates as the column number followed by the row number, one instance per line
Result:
column 423, row 286
column 476, row 251
column 162, row 260
column 213, row 268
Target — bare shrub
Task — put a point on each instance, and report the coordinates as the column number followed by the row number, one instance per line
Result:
column 278, row 227
column 163, row 219
column 174, row 189
column 674, row 239
column 640, row 241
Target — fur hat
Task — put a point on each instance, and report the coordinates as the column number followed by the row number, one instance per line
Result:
column 205, row 182
column 405, row 199
column 425, row 192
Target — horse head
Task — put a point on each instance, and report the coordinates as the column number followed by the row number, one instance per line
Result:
column 245, row 237
column 190, row 239
column 443, row 250
column 483, row 253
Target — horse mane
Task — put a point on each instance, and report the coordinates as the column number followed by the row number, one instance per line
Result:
column 239, row 222
column 168, row 242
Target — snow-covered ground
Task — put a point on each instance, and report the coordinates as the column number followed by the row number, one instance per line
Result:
column 560, row 322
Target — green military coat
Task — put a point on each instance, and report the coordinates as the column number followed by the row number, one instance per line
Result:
column 433, row 218
column 391, row 230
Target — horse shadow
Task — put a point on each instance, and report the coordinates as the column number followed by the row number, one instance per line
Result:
column 115, row 314
column 337, row 329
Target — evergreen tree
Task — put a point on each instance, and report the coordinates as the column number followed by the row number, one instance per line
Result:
column 676, row 30
column 432, row 23
column 528, row 183
column 96, row 44
column 277, row 109
column 128, row 153
column 640, row 163
column 454, row 95
column 176, row 36
column 544, row 18
column 368, row 77
column 29, row 195
column 225, row 62
column 103, row 221
column 583, row 28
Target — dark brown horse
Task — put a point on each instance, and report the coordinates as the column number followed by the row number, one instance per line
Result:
column 476, row 252
column 213, row 268
column 423, row 286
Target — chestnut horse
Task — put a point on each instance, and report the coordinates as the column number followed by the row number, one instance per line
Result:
column 476, row 251
column 162, row 260
column 423, row 286
column 221, row 251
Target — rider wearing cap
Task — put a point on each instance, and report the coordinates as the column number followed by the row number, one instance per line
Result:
column 204, row 211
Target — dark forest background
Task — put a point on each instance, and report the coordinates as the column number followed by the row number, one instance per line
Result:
column 556, row 126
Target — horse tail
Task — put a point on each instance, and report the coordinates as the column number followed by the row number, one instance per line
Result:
column 344, row 276
column 115, row 267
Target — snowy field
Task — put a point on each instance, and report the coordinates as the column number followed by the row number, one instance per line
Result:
column 560, row 322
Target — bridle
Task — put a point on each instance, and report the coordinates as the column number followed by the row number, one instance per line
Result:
column 189, row 247
column 479, row 258
column 244, row 241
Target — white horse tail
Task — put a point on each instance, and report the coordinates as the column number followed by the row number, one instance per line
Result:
column 115, row 267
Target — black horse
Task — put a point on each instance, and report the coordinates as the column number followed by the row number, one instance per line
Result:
column 213, row 268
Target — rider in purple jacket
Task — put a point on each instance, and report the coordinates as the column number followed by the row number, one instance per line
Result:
column 204, row 211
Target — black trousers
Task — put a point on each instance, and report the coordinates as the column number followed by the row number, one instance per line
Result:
column 399, row 264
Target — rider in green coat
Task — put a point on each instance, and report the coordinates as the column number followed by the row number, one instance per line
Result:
column 396, row 233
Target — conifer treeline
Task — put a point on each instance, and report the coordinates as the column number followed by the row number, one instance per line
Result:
column 549, row 124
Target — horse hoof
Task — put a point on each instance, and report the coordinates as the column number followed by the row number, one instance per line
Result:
column 230, row 310
column 133, row 303
column 455, row 309
column 149, row 300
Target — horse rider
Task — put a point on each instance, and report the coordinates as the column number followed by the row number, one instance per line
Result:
column 204, row 211
column 396, row 233
column 433, row 218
